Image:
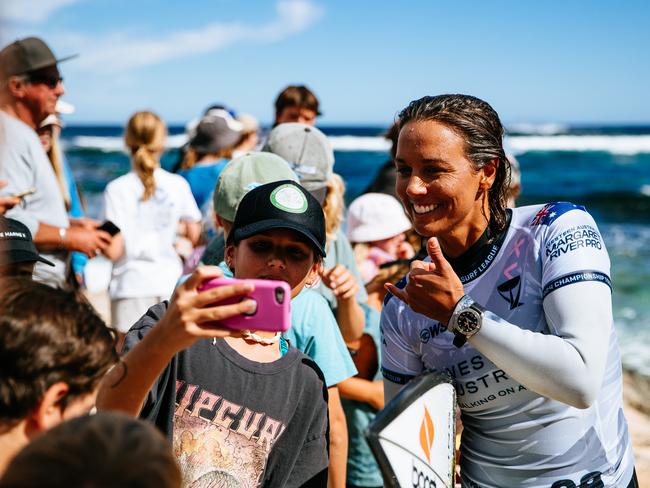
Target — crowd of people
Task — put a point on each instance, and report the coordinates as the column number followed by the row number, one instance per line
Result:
column 432, row 268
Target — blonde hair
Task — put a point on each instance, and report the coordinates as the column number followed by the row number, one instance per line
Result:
column 333, row 206
column 192, row 156
column 145, row 137
column 54, row 155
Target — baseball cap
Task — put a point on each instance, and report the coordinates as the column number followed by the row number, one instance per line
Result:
column 280, row 205
column 374, row 217
column 309, row 153
column 244, row 173
column 16, row 244
column 217, row 130
column 25, row 55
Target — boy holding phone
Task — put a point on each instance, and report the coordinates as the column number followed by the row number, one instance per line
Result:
column 250, row 410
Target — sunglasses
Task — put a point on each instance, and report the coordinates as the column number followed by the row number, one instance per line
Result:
column 51, row 81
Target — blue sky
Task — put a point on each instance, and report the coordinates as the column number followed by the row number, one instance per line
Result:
column 553, row 61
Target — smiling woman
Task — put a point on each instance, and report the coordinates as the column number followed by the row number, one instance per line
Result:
column 541, row 401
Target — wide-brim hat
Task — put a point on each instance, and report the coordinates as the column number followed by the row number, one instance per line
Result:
column 26, row 55
column 375, row 217
column 216, row 131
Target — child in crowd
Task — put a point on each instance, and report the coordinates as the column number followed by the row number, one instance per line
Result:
column 150, row 206
column 210, row 148
column 54, row 350
column 296, row 103
column 313, row 327
column 49, row 131
column 93, row 451
column 376, row 228
column 311, row 155
column 242, row 408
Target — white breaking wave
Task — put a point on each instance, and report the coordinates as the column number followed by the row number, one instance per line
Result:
column 358, row 143
column 624, row 145
column 115, row 143
column 538, row 129
column 627, row 145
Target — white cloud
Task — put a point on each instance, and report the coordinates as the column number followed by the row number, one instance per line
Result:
column 119, row 52
column 30, row 11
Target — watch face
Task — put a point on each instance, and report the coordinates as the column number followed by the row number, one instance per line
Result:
column 467, row 321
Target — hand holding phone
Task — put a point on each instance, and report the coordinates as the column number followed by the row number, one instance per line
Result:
column 109, row 227
column 273, row 305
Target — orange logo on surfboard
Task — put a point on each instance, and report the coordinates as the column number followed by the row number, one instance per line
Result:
column 427, row 433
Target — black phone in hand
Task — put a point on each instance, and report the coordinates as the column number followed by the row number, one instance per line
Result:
column 109, row 227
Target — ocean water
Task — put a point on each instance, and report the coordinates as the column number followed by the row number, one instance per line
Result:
column 607, row 169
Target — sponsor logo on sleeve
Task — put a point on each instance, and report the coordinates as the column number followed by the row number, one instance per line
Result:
column 580, row 237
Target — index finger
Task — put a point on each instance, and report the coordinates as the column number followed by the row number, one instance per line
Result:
column 339, row 271
column 399, row 293
column 220, row 293
column 201, row 274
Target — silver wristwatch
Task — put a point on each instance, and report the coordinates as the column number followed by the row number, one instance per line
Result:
column 466, row 320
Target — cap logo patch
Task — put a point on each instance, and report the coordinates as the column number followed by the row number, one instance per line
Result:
column 289, row 199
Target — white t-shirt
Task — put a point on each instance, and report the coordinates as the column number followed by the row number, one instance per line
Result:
column 514, row 436
column 150, row 265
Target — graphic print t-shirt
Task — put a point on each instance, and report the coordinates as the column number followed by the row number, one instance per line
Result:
column 235, row 422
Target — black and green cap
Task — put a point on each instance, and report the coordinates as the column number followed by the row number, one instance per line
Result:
column 280, row 205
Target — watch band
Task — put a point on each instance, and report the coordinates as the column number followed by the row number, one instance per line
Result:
column 466, row 303
column 459, row 339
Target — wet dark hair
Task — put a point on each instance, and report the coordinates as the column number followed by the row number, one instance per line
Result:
column 96, row 451
column 296, row 96
column 48, row 335
column 480, row 128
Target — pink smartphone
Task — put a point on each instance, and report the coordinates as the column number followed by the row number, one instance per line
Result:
column 273, row 311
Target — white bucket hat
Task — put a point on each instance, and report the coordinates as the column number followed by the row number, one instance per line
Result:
column 374, row 217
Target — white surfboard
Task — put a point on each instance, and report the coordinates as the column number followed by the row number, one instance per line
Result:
column 413, row 437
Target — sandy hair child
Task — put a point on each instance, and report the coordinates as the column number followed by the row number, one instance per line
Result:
column 376, row 228
column 150, row 206
column 240, row 408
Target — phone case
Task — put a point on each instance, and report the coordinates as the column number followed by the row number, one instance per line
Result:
column 273, row 311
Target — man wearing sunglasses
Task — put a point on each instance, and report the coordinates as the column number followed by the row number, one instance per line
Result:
column 30, row 85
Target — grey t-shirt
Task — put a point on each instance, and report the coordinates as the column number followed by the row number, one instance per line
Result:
column 236, row 421
column 24, row 164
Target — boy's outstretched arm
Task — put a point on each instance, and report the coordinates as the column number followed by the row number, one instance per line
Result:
column 126, row 386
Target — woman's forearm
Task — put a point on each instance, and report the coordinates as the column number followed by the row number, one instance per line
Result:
column 566, row 365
